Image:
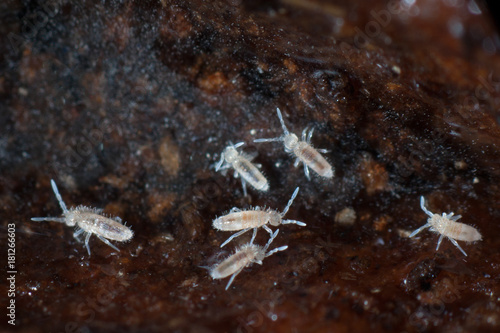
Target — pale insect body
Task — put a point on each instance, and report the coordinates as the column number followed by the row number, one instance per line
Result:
column 243, row 257
column 90, row 221
column 245, row 220
column 243, row 167
column 303, row 151
column 447, row 226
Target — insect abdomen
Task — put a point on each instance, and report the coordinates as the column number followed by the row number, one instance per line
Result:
column 234, row 263
column 464, row 232
column 313, row 159
column 241, row 220
column 251, row 174
column 455, row 230
column 105, row 227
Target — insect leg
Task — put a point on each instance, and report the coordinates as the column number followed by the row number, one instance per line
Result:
column 439, row 242
column 296, row 162
column 87, row 242
column 419, row 229
column 108, row 242
column 456, row 244
column 306, row 171
column 219, row 164
column 244, row 185
column 239, row 233
column 309, row 136
column 253, row 236
column 266, row 228
column 233, row 276
column 53, row 219
column 304, row 135
column 58, row 196
column 323, row 151
column 77, row 234
column 453, row 218
column 249, row 156
column 224, row 168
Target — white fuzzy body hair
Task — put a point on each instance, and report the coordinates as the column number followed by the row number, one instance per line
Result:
column 90, row 221
column 245, row 220
column 303, row 150
column 243, row 257
column 243, row 167
column 447, row 226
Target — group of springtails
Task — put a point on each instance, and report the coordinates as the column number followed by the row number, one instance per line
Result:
column 90, row 221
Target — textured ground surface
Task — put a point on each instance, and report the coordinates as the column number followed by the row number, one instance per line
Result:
column 127, row 105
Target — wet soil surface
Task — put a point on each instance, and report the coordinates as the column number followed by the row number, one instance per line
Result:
column 128, row 105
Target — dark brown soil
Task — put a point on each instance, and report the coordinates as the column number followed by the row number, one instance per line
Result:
column 127, row 105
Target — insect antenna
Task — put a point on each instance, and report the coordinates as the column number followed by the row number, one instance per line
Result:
column 238, row 145
column 269, row 140
column 422, row 205
column 278, row 249
column 285, row 130
column 58, row 196
column 51, row 219
column 273, row 236
column 281, row 248
column 280, row 138
column 299, row 223
column 290, row 202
